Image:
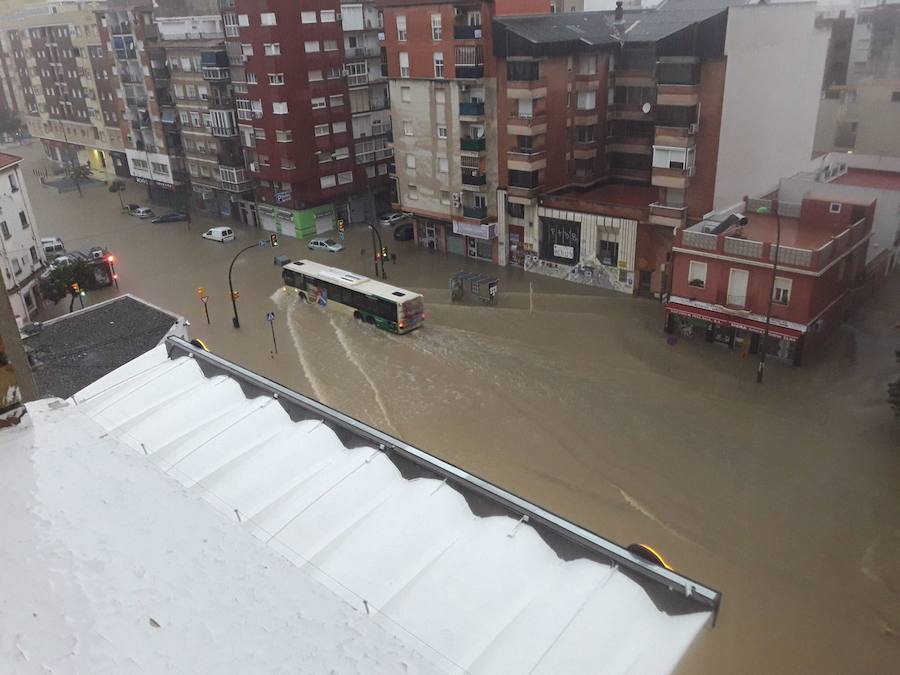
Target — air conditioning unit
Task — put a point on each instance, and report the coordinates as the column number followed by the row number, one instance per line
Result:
column 693, row 128
column 455, row 199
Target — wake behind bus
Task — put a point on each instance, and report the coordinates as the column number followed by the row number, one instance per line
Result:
column 388, row 307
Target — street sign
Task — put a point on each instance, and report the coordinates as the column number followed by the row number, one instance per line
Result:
column 204, row 299
column 262, row 243
column 270, row 316
column 341, row 235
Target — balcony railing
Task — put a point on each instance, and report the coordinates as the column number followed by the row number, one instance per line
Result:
column 467, row 32
column 739, row 301
column 469, row 72
column 216, row 74
column 472, row 144
column 479, row 212
column 470, row 177
column 671, row 216
column 357, row 79
column 223, row 132
column 472, row 108
column 362, row 52
column 235, row 180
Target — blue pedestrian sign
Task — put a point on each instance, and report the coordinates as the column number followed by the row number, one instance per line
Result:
column 270, row 316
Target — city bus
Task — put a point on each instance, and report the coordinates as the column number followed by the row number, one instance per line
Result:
column 388, row 307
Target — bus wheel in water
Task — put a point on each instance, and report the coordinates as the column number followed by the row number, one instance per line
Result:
column 370, row 320
column 357, row 316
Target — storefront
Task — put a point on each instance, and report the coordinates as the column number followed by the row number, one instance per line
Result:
column 432, row 234
column 740, row 334
column 516, row 246
column 560, row 240
column 480, row 239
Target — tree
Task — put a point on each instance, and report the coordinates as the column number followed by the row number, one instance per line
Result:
column 118, row 186
column 10, row 123
column 183, row 204
column 57, row 284
column 894, row 390
column 80, row 173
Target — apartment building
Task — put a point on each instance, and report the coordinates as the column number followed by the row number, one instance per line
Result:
column 617, row 128
column 291, row 84
column 723, row 271
column 22, row 257
column 198, row 105
column 153, row 149
column 443, row 89
column 56, row 73
column 860, row 106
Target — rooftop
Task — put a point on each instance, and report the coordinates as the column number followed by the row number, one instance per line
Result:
column 341, row 548
column 879, row 180
column 609, row 194
column 763, row 227
column 72, row 351
column 8, row 160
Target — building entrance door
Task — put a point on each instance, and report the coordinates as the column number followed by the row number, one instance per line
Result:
column 430, row 237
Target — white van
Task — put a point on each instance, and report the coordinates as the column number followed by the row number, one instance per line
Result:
column 53, row 247
column 219, row 234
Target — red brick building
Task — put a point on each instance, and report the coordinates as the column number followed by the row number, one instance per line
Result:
column 723, row 270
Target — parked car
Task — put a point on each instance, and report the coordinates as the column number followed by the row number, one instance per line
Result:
column 219, row 234
column 53, row 247
column 143, row 212
column 392, row 218
column 173, row 217
column 404, row 232
column 325, row 245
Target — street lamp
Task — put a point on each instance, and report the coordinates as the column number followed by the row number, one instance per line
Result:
column 762, row 350
column 235, row 321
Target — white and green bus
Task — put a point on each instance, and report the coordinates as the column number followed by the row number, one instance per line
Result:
column 388, row 307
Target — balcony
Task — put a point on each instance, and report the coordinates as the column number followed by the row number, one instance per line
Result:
column 121, row 28
column 586, row 117
column 223, row 132
column 357, row 79
column 235, row 179
column 369, row 52
column 216, row 73
column 679, row 179
column 675, row 136
column 536, row 88
column 469, row 72
column 474, row 177
column 473, row 144
column 522, row 124
column 471, row 109
column 641, row 145
column 627, row 111
column 526, row 159
column 220, row 103
column 477, row 212
column 678, row 94
column 667, row 216
column 160, row 73
column 467, row 32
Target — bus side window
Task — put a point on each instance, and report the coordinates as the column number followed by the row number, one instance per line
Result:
column 289, row 277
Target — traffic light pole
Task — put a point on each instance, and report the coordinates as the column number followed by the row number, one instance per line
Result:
column 379, row 253
column 235, row 321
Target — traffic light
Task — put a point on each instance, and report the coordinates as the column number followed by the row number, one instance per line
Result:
column 201, row 291
column 273, row 239
column 235, row 295
column 384, row 253
column 340, row 224
column 76, row 288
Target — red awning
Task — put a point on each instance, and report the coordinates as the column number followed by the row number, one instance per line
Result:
column 734, row 321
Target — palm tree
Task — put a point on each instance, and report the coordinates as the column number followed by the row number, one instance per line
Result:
column 118, row 186
column 80, row 173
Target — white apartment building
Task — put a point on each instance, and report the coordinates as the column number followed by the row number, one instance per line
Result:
column 21, row 255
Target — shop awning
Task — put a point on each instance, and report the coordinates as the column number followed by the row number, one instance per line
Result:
column 733, row 321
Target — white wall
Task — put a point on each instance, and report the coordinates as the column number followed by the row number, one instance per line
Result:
column 149, row 172
column 773, row 78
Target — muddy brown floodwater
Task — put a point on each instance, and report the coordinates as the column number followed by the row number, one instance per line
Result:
column 785, row 496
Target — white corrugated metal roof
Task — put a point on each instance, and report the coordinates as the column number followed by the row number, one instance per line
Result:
column 474, row 593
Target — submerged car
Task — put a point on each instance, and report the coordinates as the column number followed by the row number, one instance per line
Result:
column 392, row 218
column 325, row 245
column 173, row 217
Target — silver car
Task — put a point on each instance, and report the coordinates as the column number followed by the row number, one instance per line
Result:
column 392, row 218
column 325, row 245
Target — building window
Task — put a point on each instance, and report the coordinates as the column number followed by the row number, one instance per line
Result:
column 5, row 229
column 443, row 165
column 345, row 177
column 259, row 133
column 442, row 131
column 279, row 107
column 322, row 129
column 288, row 163
column 587, row 100
column 185, row 118
column 436, row 31
column 195, row 119
column 272, row 48
column 267, row 19
column 243, row 20
column 311, row 46
column 834, row 207
column 336, row 100
column 439, row 64
column 782, row 291
column 445, row 197
column 410, row 164
column 515, row 210
column 672, row 158
column 307, row 17
column 405, row 94
column 407, row 128
column 315, row 75
column 327, row 182
column 276, row 79
column 329, row 45
column 697, row 274
column 404, row 64
column 401, row 28
column 251, row 78
column 339, row 127
column 284, row 136
column 328, row 16
column 13, row 183
column 34, row 255
column 247, row 49
column 341, row 153
column 737, row 287
column 608, row 253
column 318, row 103
column 263, row 160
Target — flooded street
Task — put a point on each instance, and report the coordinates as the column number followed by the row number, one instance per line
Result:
column 785, row 496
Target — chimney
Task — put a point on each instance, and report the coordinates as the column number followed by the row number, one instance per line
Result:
column 620, row 13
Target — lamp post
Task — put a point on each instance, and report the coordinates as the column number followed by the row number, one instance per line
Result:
column 235, row 321
column 762, row 349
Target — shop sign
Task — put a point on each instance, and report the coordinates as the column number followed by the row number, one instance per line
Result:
column 732, row 324
column 282, row 197
column 477, row 230
column 154, row 183
column 561, row 251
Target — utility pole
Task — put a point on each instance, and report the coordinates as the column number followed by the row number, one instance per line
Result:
column 15, row 351
column 762, row 348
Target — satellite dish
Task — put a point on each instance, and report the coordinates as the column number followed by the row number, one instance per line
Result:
column 646, row 108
